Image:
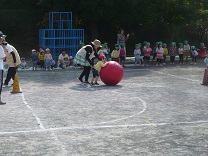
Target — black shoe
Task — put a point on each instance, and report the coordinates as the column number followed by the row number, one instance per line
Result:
column 2, row 103
column 92, row 84
column 79, row 79
column 96, row 83
column 6, row 84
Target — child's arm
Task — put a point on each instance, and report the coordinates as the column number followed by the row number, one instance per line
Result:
column 102, row 64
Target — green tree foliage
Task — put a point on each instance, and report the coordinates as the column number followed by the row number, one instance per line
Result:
column 166, row 20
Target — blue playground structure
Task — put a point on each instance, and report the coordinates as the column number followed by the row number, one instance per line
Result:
column 61, row 34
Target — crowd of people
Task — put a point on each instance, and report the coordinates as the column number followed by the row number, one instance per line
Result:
column 45, row 60
column 159, row 53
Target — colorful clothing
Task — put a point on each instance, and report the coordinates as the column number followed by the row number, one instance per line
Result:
column 160, row 53
column 34, row 57
column 115, row 54
column 41, row 57
column 83, row 57
column 147, row 51
column 121, row 38
column 99, row 65
column 165, row 51
column 137, row 54
column 173, row 51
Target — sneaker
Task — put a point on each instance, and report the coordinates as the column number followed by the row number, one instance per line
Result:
column 96, row 83
column 2, row 103
column 92, row 84
column 79, row 79
column 161, row 65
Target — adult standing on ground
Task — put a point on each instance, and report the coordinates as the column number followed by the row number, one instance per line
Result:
column 84, row 58
column 2, row 57
column 12, row 59
column 121, row 40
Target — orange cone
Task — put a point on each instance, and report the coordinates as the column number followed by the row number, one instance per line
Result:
column 205, row 79
column 16, row 88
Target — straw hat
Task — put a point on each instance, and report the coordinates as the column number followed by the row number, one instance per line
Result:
column 97, row 43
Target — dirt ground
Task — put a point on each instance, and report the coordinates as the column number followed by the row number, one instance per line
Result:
column 153, row 111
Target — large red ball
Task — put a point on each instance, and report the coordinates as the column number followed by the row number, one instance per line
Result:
column 112, row 73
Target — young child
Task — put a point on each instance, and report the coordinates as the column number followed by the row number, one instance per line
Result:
column 186, row 49
column 122, row 55
column 108, row 51
column 115, row 53
column 71, row 63
column 194, row 54
column 34, row 59
column 206, row 61
column 41, row 59
column 101, row 63
column 154, row 52
column 102, row 51
column 23, row 64
column 147, row 51
column 180, row 52
column 160, row 52
column 48, row 58
column 165, row 53
column 173, row 52
column 137, row 54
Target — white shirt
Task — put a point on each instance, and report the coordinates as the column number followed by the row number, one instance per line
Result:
column 2, row 55
column 9, row 48
column 186, row 47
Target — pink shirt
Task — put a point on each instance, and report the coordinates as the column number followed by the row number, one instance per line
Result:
column 147, row 51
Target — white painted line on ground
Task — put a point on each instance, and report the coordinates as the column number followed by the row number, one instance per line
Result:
column 36, row 117
column 144, row 107
column 178, row 77
column 103, row 127
column 42, row 128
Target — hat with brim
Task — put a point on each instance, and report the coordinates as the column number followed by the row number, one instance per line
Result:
column 97, row 43
column 2, row 36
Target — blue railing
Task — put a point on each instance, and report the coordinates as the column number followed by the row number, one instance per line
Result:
column 61, row 34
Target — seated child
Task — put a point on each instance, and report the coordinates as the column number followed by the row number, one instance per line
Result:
column 23, row 64
column 71, row 63
column 53, row 64
column 101, row 63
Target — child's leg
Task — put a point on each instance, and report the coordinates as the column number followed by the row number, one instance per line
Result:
column 182, row 58
column 157, row 62
column 92, row 80
column 96, row 79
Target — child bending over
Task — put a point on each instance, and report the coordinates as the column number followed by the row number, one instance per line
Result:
column 95, row 71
